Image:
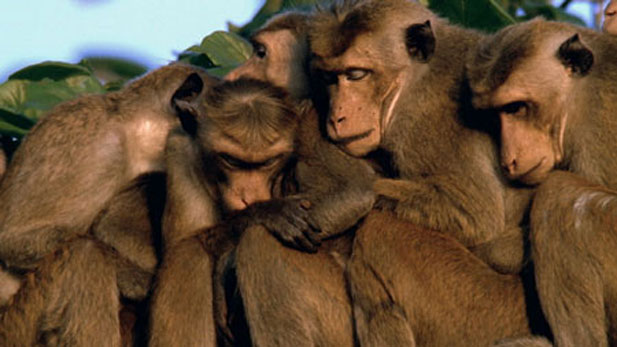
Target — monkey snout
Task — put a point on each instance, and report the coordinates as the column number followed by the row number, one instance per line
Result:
column 509, row 167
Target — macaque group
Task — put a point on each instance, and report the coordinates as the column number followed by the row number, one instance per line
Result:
column 372, row 175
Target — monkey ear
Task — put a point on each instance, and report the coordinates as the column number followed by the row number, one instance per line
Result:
column 183, row 102
column 420, row 41
column 575, row 56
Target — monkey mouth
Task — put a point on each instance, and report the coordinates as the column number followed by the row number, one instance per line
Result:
column 343, row 141
column 528, row 176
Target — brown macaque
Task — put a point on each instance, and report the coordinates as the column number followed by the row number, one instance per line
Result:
column 271, row 276
column 326, row 176
column 549, row 88
column 610, row 25
column 394, row 73
column 234, row 154
column 400, row 101
column 91, row 174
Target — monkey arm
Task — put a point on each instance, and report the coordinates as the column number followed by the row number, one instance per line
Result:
column 334, row 194
column 451, row 203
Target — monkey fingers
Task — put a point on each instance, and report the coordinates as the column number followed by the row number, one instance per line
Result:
column 288, row 220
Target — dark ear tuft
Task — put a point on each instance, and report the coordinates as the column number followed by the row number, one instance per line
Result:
column 574, row 55
column 182, row 102
column 190, row 88
column 420, row 41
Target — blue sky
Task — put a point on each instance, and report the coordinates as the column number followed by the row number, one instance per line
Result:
column 146, row 31
column 150, row 32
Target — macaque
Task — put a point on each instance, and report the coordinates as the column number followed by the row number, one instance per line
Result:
column 90, row 174
column 297, row 298
column 610, row 26
column 270, row 275
column 394, row 75
column 550, row 88
column 235, row 150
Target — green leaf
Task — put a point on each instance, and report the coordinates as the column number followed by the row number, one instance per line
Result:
column 15, row 119
column 226, row 49
column 221, row 50
column 486, row 15
column 50, row 69
column 190, row 56
column 25, row 101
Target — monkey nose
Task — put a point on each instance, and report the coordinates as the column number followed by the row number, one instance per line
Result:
column 337, row 120
column 510, row 166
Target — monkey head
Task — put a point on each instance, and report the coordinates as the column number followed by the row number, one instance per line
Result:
column 610, row 24
column 245, row 132
column 524, row 75
column 279, row 55
column 363, row 55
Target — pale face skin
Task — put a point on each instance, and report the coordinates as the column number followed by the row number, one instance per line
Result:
column 529, row 110
column 363, row 89
column 610, row 14
column 278, row 58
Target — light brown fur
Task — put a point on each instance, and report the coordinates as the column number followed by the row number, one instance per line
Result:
column 204, row 185
column 91, row 168
column 395, row 78
column 563, row 119
column 296, row 298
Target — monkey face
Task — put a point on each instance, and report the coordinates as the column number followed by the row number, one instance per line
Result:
column 278, row 57
column 610, row 14
column 532, row 102
column 362, row 91
column 249, row 176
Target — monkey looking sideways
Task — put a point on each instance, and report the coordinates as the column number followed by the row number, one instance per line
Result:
column 235, row 152
column 551, row 89
column 76, row 199
column 272, row 278
column 395, row 84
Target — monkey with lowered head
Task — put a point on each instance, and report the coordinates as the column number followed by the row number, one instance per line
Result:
column 70, row 185
column 550, row 89
column 338, row 188
column 272, row 277
column 234, row 153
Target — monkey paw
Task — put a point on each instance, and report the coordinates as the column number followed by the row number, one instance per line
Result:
column 289, row 221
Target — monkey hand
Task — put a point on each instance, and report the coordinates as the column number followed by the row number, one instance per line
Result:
column 289, row 221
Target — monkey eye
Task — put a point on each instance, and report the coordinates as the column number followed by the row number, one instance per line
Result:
column 272, row 161
column 231, row 161
column 515, row 109
column 356, row 74
column 259, row 50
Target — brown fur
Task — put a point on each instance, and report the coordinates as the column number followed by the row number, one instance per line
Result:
column 77, row 157
column 407, row 95
column 92, row 167
column 451, row 185
column 271, row 277
column 573, row 241
column 202, row 186
column 569, row 126
column 446, row 296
